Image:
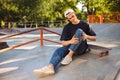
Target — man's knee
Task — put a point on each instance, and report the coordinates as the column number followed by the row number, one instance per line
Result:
column 61, row 51
column 79, row 31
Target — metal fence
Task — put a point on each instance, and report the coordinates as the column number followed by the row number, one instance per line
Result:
column 31, row 24
column 113, row 17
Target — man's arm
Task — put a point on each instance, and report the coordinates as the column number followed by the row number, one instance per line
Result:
column 74, row 40
column 65, row 43
column 92, row 38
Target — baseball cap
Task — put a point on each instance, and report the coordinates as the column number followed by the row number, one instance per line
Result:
column 68, row 12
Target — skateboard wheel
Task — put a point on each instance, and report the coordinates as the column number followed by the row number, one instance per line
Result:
column 101, row 54
column 107, row 52
column 88, row 50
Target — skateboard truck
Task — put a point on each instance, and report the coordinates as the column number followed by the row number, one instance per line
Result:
column 102, row 51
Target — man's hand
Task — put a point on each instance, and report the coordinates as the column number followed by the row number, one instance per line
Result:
column 84, row 36
column 74, row 40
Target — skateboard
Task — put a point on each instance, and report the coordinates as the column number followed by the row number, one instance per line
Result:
column 102, row 51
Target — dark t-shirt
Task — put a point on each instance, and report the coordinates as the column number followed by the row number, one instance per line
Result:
column 69, row 31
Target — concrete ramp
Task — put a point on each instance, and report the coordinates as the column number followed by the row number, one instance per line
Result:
column 107, row 35
column 18, row 64
column 109, row 32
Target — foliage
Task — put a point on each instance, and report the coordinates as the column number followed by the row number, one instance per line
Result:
column 115, row 6
column 52, row 10
column 96, row 6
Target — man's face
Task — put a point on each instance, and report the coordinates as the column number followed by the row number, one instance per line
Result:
column 71, row 17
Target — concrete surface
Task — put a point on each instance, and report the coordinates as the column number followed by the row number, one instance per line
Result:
column 19, row 63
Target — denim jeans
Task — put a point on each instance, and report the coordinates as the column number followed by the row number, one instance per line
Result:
column 61, row 52
column 78, row 34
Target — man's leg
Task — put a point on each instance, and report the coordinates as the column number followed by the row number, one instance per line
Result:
column 56, row 58
column 58, row 55
column 78, row 34
column 73, row 48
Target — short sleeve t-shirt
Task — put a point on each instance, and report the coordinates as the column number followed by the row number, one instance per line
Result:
column 70, row 29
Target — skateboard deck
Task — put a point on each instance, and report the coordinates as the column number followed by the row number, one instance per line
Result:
column 102, row 51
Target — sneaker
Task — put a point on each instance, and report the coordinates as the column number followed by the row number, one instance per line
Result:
column 45, row 71
column 66, row 60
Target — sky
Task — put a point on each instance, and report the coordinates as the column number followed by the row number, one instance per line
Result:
column 79, row 6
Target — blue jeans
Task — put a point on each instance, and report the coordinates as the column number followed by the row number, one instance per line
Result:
column 61, row 52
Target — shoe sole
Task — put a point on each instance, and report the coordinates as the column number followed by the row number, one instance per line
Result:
column 65, row 64
column 42, row 74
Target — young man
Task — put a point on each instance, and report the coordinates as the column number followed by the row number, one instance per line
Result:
column 74, row 40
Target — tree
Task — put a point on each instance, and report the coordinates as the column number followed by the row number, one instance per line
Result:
column 26, row 8
column 94, row 6
column 100, row 6
column 8, row 10
column 115, row 6
column 33, row 10
column 53, row 9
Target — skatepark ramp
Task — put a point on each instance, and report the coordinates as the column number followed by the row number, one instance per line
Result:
column 19, row 63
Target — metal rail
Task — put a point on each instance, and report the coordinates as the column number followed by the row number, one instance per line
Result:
column 4, row 37
column 31, row 41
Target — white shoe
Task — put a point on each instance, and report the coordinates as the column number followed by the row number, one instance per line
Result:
column 45, row 71
column 66, row 60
